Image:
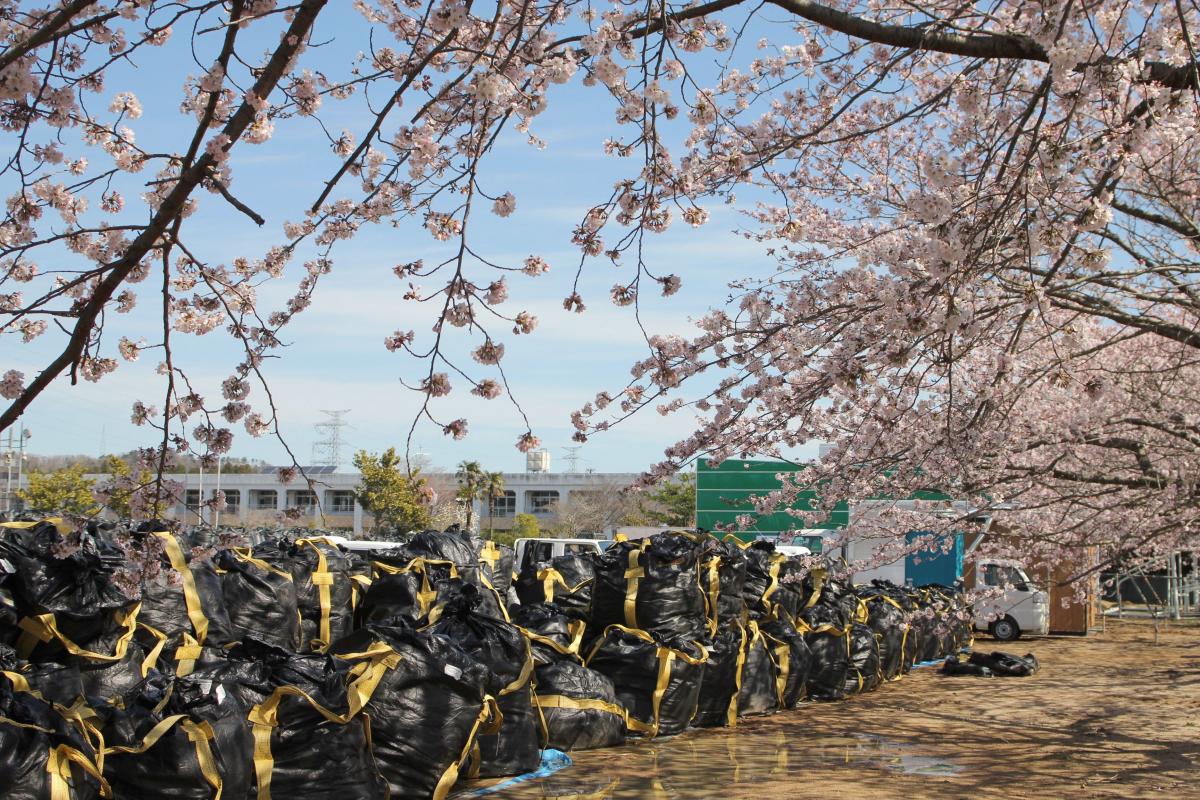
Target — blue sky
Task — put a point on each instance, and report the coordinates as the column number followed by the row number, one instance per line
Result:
column 335, row 357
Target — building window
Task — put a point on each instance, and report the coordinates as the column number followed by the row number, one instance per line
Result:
column 233, row 499
column 339, row 502
column 505, row 505
column 192, row 499
column 263, row 498
column 541, row 501
column 302, row 498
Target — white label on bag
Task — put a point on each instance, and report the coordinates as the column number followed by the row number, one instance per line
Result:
column 219, row 694
column 452, row 671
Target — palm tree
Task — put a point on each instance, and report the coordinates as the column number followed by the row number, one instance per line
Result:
column 493, row 487
column 470, row 485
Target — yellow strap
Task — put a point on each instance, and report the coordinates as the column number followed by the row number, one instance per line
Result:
column 200, row 734
column 186, row 655
column 58, row 765
column 633, row 576
column 743, row 645
column 20, row 684
column 545, row 728
column 243, row 554
column 548, row 642
column 191, row 597
column 57, row 522
column 820, row 574
column 487, row 584
column 151, row 659
column 783, row 666
column 713, row 595
column 151, row 738
column 489, row 554
column 580, row 704
column 359, row 584
column 550, row 577
column 576, row 628
column 264, row 762
column 776, row 562
column 44, row 627
column 526, row 672
column 322, row 578
column 666, row 657
column 26, row 725
column 489, row 711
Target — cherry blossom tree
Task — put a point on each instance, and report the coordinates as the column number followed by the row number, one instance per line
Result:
column 984, row 218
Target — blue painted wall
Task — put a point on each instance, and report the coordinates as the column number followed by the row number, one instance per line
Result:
column 934, row 567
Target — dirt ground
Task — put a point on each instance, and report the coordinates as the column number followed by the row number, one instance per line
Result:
column 1111, row 715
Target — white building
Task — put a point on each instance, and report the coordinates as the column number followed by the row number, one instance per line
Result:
column 258, row 498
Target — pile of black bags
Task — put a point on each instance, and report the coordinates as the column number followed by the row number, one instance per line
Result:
column 297, row 669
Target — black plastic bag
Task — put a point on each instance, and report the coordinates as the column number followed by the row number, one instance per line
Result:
column 179, row 737
column 426, row 711
column 1007, row 665
column 64, row 591
column 826, row 637
column 552, row 634
column 758, row 691
column 886, row 618
column 310, row 738
column 43, row 754
column 724, row 581
column 657, row 683
column 791, row 657
column 453, row 554
column 717, row 703
column 260, row 599
column 864, row 674
column 324, row 593
column 955, row 668
column 185, row 603
column 579, row 707
column 566, row 581
column 516, row 747
column 495, row 565
column 512, row 750
column 653, row 585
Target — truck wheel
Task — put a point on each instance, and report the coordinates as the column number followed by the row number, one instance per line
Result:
column 1006, row 629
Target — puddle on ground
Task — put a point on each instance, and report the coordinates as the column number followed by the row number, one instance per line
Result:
column 698, row 764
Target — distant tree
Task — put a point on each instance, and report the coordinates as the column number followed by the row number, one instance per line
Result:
column 492, row 489
column 471, row 479
column 673, row 503
column 595, row 510
column 124, row 493
column 65, row 490
column 393, row 498
column 115, row 497
column 525, row 526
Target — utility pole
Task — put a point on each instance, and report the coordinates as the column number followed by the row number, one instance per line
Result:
column 14, row 458
column 327, row 451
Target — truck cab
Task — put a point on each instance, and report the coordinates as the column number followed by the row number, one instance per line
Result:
column 534, row 551
column 1023, row 609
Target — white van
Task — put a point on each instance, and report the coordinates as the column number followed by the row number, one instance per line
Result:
column 537, row 550
column 1024, row 609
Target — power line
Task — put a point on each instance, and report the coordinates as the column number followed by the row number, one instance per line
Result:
column 572, row 458
column 328, row 450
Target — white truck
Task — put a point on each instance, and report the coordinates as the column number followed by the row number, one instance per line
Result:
column 537, row 550
column 1023, row 609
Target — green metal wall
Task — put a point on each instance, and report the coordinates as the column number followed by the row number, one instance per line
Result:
column 722, row 492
